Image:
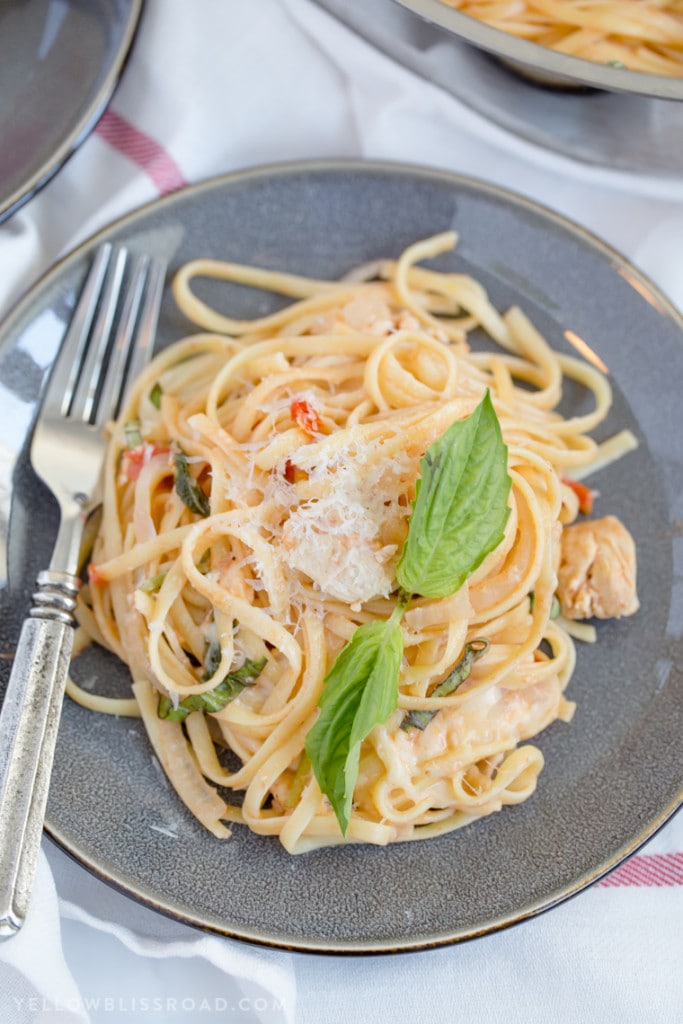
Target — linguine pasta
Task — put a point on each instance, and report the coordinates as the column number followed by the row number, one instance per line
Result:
column 641, row 35
column 258, row 491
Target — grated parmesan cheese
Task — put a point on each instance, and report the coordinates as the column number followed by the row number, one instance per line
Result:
column 335, row 542
column 344, row 540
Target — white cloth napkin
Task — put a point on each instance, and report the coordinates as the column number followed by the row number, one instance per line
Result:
column 211, row 87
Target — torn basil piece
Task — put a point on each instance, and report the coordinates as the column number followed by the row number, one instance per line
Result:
column 204, row 563
column 555, row 607
column 132, row 434
column 216, row 699
column 187, row 489
column 212, row 659
column 151, row 585
column 155, row 395
column 420, row 719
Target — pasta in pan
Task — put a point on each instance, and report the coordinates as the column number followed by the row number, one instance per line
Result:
column 305, row 657
column 641, row 35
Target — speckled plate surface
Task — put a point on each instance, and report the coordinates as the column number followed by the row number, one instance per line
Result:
column 612, row 777
column 59, row 63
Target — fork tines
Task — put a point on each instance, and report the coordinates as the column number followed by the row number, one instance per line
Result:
column 120, row 299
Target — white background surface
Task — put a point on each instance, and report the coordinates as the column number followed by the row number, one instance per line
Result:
column 222, row 86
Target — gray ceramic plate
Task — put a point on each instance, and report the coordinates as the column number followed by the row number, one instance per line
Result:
column 612, row 777
column 59, row 63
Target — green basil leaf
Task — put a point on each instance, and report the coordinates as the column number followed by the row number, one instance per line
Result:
column 461, row 507
column 187, row 489
column 247, row 673
column 216, row 699
column 212, row 659
column 473, row 652
column 151, row 585
column 204, row 563
column 555, row 606
column 303, row 770
column 417, row 719
column 360, row 692
column 165, row 708
column 155, row 395
column 420, row 719
column 132, row 434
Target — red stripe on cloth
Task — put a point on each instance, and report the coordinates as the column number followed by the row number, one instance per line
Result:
column 142, row 149
column 654, row 869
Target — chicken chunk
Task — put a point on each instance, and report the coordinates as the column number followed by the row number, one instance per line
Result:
column 597, row 572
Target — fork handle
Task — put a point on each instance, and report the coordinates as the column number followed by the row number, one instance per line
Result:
column 29, row 722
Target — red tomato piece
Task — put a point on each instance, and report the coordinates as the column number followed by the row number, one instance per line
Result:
column 94, row 576
column 305, row 417
column 135, row 458
column 585, row 495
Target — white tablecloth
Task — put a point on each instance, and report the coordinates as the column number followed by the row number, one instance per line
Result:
column 214, row 86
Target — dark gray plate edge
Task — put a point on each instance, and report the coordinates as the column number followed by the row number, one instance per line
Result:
column 83, row 128
column 99, row 868
column 558, row 66
column 374, row 948
column 350, row 165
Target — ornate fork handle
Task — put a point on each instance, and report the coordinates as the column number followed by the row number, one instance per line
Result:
column 100, row 354
column 28, row 734
column 55, row 598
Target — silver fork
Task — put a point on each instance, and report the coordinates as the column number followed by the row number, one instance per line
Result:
column 108, row 343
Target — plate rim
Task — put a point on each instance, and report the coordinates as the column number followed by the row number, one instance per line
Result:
column 76, row 135
column 12, row 322
column 284, row 168
column 368, row 947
